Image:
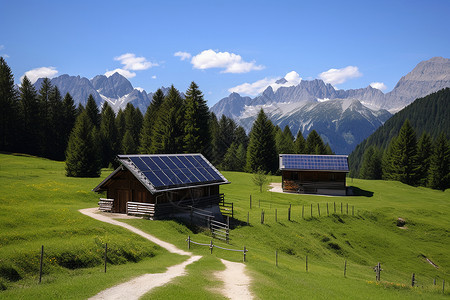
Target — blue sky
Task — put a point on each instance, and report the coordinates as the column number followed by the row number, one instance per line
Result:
column 224, row 46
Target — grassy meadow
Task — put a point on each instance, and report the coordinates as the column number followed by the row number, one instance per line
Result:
column 39, row 206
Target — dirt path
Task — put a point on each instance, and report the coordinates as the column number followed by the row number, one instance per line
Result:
column 236, row 282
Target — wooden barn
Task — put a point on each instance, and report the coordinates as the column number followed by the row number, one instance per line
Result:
column 314, row 174
column 161, row 185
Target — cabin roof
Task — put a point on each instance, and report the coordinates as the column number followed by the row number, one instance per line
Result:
column 306, row 162
column 167, row 172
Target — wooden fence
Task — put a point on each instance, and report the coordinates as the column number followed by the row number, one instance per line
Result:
column 212, row 246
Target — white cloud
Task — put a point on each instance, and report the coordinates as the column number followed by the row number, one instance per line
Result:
column 378, row 85
column 257, row 87
column 124, row 73
column 183, row 55
column 232, row 63
column 154, row 77
column 338, row 76
column 35, row 74
column 131, row 62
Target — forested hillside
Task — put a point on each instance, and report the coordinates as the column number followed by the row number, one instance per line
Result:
column 430, row 114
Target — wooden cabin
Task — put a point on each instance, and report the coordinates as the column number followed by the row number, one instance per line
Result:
column 314, row 174
column 161, row 185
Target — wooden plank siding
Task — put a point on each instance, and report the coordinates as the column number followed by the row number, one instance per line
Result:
column 312, row 182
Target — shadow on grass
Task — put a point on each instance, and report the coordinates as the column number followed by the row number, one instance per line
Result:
column 356, row 191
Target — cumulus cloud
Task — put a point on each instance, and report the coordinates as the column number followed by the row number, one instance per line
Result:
column 378, row 85
column 154, row 77
column 338, row 76
column 124, row 73
column 183, row 55
column 131, row 62
column 35, row 74
column 292, row 78
column 230, row 62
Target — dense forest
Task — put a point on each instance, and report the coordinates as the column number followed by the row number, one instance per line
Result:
column 46, row 124
column 430, row 114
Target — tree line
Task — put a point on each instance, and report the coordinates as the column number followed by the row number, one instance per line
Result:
column 44, row 123
column 422, row 162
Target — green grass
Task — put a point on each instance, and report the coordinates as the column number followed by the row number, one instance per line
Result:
column 39, row 205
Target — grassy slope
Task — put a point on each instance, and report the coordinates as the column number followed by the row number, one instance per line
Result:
column 39, row 206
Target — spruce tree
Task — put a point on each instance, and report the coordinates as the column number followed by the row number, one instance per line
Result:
column 45, row 127
column 69, row 113
column 82, row 155
column 300, row 143
column 213, row 126
column 196, row 132
column 230, row 162
column 9, row 109
column 167, row 135
column 92, row 111
column 314, row 144
column 108, row 136
column 240, row 137
column 403, row 156
column 224, row 137
column 261, row 151
column 241, row 157
column 371, row 166
column 55, row 138
column 149, row 122
column 439, row 174
column 424, row 152
column 285, row 141
column 128, row 143
column 133, row 123
column 30, row 129
column 121, row 128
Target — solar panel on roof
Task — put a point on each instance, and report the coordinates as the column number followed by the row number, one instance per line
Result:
column 164, row 171
column 314, row 162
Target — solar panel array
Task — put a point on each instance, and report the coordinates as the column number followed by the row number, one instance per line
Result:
column 176, row 170
column 314, row 162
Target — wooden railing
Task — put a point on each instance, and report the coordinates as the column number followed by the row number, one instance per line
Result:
column 105, row 204
column 219, row 230
column 141, row 209
column 226, row 208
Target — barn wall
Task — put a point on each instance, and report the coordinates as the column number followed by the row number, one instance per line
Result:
column 314, row 182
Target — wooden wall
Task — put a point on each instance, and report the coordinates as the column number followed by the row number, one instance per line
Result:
column 313, row 181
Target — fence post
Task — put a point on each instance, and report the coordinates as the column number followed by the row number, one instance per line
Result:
column 211, row 246
column 334, row 207
column 40, row 265
column 328, row 213
column 341, row 208
column 353, row 210
column 106, row 254
column 232, row 210
column 228, row 221
column 262, row 216
column 250, row 201
column 303, row 211
column 244, row 253
column 289, row 213
column 275, row 215
column 259, row 203
column 434, row 281
column 345, row 268
column 443, row 285
column 311, row 210
column 347, row 209
column 276, row 258
column 318, row 208
column 413, row 279
column 248, row 218
column 189, row 242
column 306, row 263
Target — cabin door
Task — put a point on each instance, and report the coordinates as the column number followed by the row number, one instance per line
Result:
column 123, row 196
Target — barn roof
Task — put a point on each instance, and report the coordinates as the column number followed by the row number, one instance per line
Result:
column 165, row 172
column 305, row 162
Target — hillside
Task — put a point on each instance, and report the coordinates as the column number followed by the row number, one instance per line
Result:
column 44, row 211
column 430, row 114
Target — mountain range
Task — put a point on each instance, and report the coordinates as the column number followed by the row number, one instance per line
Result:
column 343, row 118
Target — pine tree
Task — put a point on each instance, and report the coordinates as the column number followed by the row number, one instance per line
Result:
column 240, row 137
column 29, row 107
column 149, row 122
column 300, row 143
column 133, row 123
column 108, row 136
column 371, row 167
column 167, row 135
column 121, row 127
column 55, row 139
column 69, row 113
column 403, row 156
column 92, row 111
column 439, row 174
column 285, row 141
column 230, row 162
column 241, row 158
column 261, row 151
column 224, row 138
column 128, row 144
column 9, row 109
column 196, row 135
column 82, row 155
column 314, row 144
column 424, row 152
column 213, row 126
column 45, row 127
